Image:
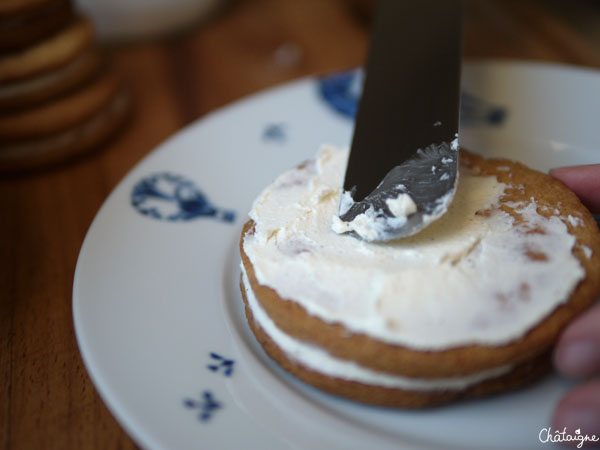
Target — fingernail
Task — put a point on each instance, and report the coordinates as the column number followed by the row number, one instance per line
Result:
column 578, row 358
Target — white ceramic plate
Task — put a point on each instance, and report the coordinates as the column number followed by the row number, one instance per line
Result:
column 156, row 302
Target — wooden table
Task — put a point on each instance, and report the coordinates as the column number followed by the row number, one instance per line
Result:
column 46, row 397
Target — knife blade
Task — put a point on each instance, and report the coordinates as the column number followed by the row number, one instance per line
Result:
column 402, row 169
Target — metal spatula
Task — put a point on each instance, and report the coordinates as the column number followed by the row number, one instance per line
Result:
column 403, row 164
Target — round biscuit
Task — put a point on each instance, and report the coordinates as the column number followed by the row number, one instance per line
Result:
column 25, row 22
column 72, row 142
column 60, row 114
column 21, row 94
column 49, row 54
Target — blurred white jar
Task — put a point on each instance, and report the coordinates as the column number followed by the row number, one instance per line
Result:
column 122, row 20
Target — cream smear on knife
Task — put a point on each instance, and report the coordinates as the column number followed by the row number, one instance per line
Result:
column 401, row 215
column 466, row 279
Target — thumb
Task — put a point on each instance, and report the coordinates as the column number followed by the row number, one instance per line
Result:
column 577, row 353
column 584, row 181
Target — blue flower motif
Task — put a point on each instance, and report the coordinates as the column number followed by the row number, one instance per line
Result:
column 275, row 132
column 342, row 91
column 171, row 197
column 206, row 406
column 221, row 363
column 476, row 110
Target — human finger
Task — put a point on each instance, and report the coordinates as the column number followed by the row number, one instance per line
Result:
column 584, row 181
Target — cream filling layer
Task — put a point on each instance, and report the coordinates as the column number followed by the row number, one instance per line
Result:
column 467, row 279
column 317, row 359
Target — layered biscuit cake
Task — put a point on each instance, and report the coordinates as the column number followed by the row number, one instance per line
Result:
column 471, row 305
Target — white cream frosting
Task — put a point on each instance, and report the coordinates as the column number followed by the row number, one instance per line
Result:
column 466, row 279
column 315, row 358
column 369, row 225
column 402, row 205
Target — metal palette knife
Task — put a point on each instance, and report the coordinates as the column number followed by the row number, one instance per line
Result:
column 402, row 171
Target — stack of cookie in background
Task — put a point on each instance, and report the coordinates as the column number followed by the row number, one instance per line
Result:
column 58, row 96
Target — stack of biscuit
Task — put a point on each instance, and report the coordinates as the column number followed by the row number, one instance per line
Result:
column 58, row 96
column 470, row 306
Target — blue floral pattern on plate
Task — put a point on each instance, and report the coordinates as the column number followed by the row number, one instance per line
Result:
column 171, row 197
column 342, row 91
column 275, row 132
column 206, row 405
column 221, row 364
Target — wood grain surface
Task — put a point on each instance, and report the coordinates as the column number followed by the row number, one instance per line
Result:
column 46, row 397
